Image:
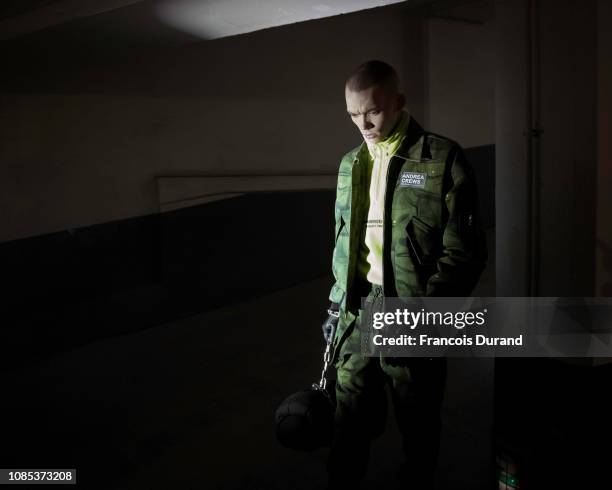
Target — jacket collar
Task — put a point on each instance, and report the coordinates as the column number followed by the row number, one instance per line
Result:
column 410, row 148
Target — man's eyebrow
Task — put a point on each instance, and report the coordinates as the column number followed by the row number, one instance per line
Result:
column 367, row 110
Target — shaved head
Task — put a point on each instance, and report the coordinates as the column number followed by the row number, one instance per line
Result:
column 373, row 100
column 373, row 73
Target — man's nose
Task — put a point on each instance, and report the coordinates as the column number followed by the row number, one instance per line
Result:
column 364, row 123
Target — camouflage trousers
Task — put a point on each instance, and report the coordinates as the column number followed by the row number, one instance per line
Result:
column 417, row 388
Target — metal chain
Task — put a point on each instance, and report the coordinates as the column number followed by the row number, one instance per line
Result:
column 327, row 354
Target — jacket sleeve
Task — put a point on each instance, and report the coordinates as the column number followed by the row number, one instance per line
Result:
column 340, row 252
column 336, row 294
column 464, row 248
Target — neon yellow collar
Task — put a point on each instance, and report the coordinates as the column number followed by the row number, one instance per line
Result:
column 392, row 142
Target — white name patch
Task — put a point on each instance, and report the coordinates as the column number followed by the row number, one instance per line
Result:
column 413, row 179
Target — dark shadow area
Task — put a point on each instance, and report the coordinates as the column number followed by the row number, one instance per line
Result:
column 552, row 419
column 73, row 287
column 190, row 404
column 482, row 159
column 186, row 404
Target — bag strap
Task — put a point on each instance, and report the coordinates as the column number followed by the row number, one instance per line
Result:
column 327, row 356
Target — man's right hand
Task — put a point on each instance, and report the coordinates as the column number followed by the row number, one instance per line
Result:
column 329, row 326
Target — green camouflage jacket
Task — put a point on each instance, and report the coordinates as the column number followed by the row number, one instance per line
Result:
column 433, row 241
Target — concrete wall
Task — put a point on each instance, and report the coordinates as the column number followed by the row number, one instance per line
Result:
column 83, row 146
column 568, row 147
column 460, row 80
column 604, row 157
column 557, row 259
column 460, row 90
column 512, row 195
column 551, row 88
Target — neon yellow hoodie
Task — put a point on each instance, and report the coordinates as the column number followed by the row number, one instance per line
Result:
column 370, row 254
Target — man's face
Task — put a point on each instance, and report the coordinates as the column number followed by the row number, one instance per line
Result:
column 374, row 111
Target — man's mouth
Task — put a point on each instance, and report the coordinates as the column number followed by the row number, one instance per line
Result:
column 369, row 136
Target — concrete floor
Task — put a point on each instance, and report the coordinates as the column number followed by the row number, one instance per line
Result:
column 190, row 405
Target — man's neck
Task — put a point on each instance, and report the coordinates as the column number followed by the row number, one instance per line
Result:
column 398, row 118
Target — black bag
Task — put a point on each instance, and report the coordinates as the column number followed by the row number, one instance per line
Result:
column 305, row 419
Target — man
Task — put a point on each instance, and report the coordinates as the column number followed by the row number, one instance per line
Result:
column 407, row 224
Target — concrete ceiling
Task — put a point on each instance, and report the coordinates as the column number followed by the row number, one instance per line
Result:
column 59, row 38
column 189, row 19
column 212, row 19
column 202, row 19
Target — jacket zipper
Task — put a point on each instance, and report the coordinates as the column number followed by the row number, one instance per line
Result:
column 382, row 272
column 381, row 161
column 350, row 266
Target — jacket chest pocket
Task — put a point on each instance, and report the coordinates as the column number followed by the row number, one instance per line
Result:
column 418, row 192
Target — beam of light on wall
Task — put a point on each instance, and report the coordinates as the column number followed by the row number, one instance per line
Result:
column 212, row 19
